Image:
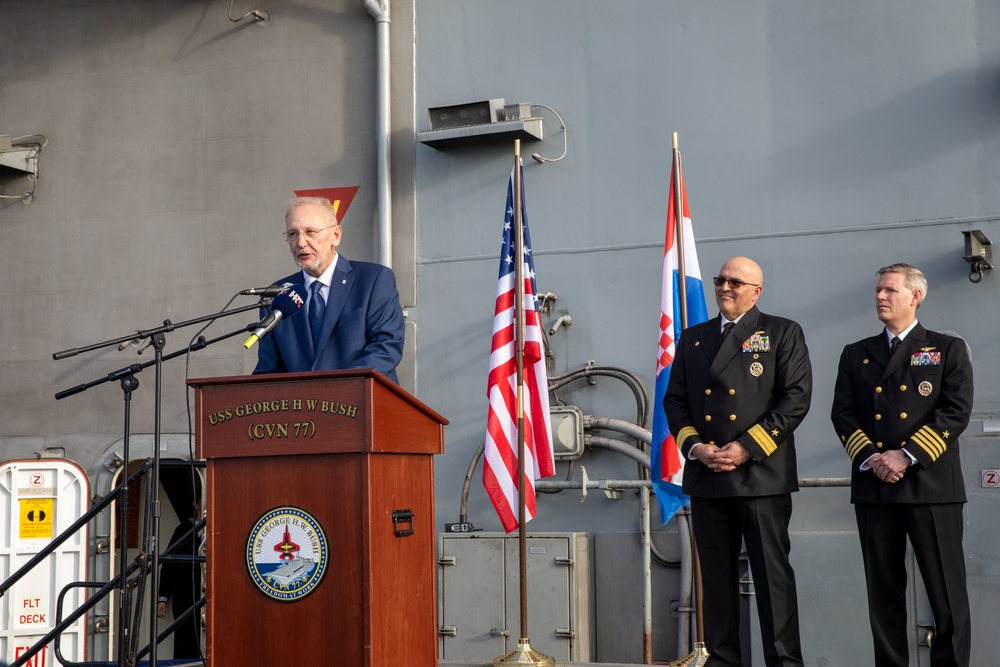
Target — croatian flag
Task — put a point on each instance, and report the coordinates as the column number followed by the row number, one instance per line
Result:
column 500, row 467
column 666, row 465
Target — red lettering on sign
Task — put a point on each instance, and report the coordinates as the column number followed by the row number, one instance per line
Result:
column 38, row 660
column 26, row 619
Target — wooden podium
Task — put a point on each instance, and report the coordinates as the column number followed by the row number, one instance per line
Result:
column 320, row 532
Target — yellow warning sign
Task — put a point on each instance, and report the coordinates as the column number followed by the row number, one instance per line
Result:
column 36, row 518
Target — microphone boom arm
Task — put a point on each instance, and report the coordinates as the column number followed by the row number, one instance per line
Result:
column 167, row 326
column 137, row 368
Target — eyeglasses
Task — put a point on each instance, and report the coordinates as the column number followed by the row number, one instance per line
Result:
column 293, row 236
column 720, row 281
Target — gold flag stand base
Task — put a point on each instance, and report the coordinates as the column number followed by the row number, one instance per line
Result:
column 696, row 658
column 524, row 655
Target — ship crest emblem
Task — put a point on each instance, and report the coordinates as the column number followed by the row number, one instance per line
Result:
column 287, row 554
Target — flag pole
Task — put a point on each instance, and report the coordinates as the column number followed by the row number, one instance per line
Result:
column 523, row 654
column 522, row 531
column 700, row 655
column 679, row 233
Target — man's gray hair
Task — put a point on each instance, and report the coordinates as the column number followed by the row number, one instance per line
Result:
column 913, row 278
column 322, row 202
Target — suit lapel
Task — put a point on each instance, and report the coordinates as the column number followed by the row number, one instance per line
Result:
column 340, row 286
column 732, row 345
column 878, row 350
column 301, row 327
column 708, row 339
column 912, row 342
column 300, row 324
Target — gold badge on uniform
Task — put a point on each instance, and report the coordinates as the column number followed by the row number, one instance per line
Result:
column 925, row 388
column 756, row 368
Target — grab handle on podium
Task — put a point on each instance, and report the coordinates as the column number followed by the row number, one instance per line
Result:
column 400, row 517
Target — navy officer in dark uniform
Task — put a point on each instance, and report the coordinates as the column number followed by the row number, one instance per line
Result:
column 739, row 385
column 903, row 398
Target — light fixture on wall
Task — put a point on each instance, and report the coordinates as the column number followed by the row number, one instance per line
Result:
column 488, row 119
column 978, row 253
column 484, row 120
column 19, row 156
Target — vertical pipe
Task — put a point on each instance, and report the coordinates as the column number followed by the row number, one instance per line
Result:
column 647, row 584
column 684, row 625
column 380, row 11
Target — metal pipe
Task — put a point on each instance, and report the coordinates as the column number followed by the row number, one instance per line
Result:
column 618, row 446
column 564, row 319
column 600, row 484
column 820, row 482
column 620, row 425
column 379, row 9
column 684, row 625
column 647, row 582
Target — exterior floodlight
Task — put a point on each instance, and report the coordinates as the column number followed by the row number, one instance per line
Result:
column 978, row 253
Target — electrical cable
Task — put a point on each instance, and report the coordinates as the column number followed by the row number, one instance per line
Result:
column 540, row 159
column 259, row 14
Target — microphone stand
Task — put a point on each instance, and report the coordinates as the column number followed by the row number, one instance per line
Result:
column 129, row 383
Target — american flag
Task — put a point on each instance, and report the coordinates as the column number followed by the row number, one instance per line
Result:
column 500, row 468
column 666, row 466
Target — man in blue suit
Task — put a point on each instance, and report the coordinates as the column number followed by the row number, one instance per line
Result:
column 353, row 317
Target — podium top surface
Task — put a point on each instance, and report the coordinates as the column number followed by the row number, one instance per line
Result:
column 285, row 414
column 320, row 376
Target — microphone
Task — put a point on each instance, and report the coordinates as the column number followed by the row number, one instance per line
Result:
column 286, row 304
column 266, row 292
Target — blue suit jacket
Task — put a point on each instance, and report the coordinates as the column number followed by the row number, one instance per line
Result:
column 362, row 328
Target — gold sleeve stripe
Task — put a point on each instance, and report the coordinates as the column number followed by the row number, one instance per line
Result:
column 763, row 439
column 930, row 442
column 857, row 442
column 684, row 434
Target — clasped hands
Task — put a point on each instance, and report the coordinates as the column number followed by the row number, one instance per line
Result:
column 890, row 466
column 722, row 459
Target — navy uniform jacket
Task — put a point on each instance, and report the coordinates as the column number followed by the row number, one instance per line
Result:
column 362, row 326
column 920, row 400
column 756, row 390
